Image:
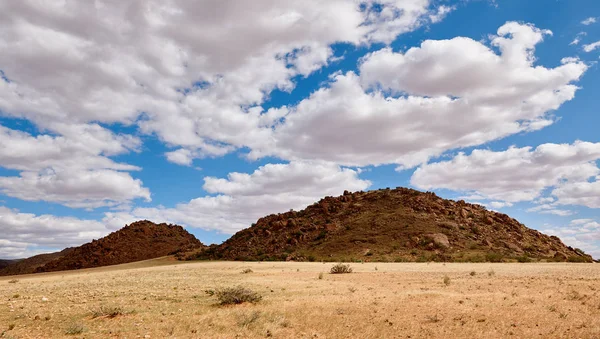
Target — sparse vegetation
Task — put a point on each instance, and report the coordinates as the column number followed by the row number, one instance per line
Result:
column 524, row 258
column 340, row 268
column 107, row 311
column 236, row 295
column 320, row 275
column 447, row 280
column 13, row 281
column 247, row 270
column 491, row 273
column 75, row 329
column 524, row 295
column 494, row 257
column 472, row 273
column 247, row 319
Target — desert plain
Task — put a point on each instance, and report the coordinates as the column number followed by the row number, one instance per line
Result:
column 164, row 298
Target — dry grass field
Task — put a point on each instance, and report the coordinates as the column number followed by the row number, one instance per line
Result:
column 167, row 299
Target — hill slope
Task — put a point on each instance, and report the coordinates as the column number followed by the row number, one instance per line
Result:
column 6, row 262
column 29, row 265
column 140, row 240
column 391, row 225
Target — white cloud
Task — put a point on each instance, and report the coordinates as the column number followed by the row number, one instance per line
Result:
column 181, row 157
column 453, row 93
column 25, row 234
column 243, row 198
column 589, row 21
column 500, row 204
column 516, row 174
column 550, row 209
column 580, row 233
column 582, row 193
column 77, row 188
column 577, row 39
column 192, row 76
column 72, row 169
column 590, row 47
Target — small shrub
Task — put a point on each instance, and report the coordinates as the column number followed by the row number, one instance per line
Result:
column 446, row 280
column 576, row 258
column 108, row 312
column 472, row 273
column 491, row 273
column 247, row 270
column 340, row 268
column 11, row 327
column 74, row 329
column 433, row 318
column 524, row 258
column 237, row 295
column 311, row 258
column 321, row 276
column 13, row 281
column 494, row 257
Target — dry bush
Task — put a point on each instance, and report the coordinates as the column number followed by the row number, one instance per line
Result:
column 340, row 268
column 247, row 270
column 107, row 311
column 74, row 329
column 13, row 281
column 446, row 280
column 235, row 295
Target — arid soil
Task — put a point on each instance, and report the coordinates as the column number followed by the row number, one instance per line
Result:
column 163, row 298
column 392, row 225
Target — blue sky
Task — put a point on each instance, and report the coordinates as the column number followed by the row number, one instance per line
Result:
column 210, row 115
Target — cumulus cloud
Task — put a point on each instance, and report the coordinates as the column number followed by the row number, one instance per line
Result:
column 25, row 234
column 405, row 108
column 580, row 233
column 72, row 169
column 77, row 188
column 241, row 198
column 516, row 174
column 192, row 76
column 584, row 193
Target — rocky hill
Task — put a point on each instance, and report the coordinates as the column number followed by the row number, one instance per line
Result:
column 6, row 262
column 29, row 265
column 391, row 225
column 140, row 240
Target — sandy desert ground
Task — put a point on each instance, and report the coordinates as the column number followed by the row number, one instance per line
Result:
column 166, row 299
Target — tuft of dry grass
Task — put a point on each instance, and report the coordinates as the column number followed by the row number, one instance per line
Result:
column 340, row 269
column 13, row 281
column 74, row 329
column 247, row 270
column 107, row 312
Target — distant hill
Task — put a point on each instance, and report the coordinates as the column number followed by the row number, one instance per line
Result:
column 6, row 262
column 140, row 240
column 29, row 265
column 391, row 225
